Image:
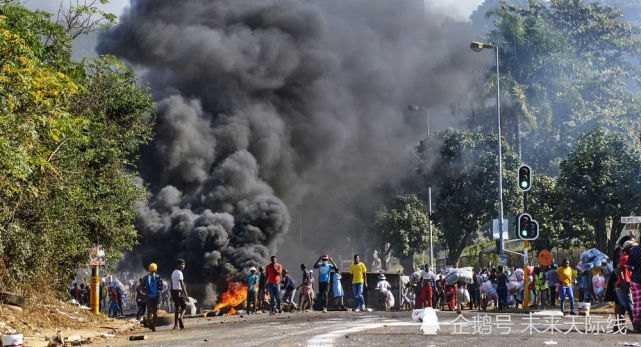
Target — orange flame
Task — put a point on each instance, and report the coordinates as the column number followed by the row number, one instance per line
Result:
column 235, row 295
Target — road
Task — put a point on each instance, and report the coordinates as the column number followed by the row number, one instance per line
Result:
column 376, row 329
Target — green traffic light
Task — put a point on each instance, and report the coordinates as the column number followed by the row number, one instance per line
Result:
column 524, row 184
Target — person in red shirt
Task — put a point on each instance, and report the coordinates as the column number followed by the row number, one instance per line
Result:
column 273, row 271
column 622, row 288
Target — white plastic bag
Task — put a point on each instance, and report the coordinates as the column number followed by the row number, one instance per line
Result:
column 417, row 315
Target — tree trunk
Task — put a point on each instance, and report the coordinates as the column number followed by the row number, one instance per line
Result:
column 454, row 254
column 615, row 233
column 601, row 236
column 408, row 265
column 383, row 257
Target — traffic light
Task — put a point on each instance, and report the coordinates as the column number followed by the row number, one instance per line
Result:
column 525, row 178
column 526, row 227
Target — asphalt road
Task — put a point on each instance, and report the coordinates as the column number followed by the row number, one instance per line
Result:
column 382, row 329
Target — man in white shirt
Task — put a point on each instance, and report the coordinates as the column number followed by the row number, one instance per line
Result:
column 179, row 294
column 428, row 282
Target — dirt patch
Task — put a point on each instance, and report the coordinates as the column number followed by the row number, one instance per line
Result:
column 41, row 321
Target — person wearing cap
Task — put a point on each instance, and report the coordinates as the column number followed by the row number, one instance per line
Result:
column 252, row 289
column 324, row 271
column 179, row 294
column 622, row 288
column 383, row 288
column 153, row 285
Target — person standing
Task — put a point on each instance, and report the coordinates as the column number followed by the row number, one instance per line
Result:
column 141, row 299
column 541, row 286
column 337, row 287
column 324, row 270
column 427, row 276
column 262, row 287
column 153, row 286
column 552, row 280
column 179, row 294
column 565, row 285
column 501, row 289
column 622, row 288
column 273, row 270
column 359, row 282
column 252, row 290
column 474, row 291
column 634, row 262
column 305, row 288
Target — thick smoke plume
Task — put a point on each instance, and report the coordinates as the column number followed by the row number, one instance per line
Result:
column 274, row 103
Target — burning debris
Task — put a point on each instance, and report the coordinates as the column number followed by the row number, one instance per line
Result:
column 261, row 102
column 234, row 297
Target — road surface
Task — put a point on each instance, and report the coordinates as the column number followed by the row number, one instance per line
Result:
column 381, row 329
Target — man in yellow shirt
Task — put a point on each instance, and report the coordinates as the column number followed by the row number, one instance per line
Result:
column 565, row 285
column 359, row 280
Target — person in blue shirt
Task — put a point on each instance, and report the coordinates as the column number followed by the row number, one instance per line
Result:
column 324, row 270
column 153, row 285
column 252, row 289
column 338, row 290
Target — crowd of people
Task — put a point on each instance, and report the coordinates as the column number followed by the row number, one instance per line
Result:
column 272, row 287
column 618, row 282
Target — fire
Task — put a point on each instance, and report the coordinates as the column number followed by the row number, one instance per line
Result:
column 235, row 295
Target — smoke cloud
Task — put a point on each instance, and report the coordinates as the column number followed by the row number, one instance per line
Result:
column 278, row 108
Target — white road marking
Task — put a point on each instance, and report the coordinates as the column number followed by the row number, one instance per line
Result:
column 327, row 339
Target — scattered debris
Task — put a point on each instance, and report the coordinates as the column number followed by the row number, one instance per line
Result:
column 137, row 337
column 107, row 335
column 550, row 342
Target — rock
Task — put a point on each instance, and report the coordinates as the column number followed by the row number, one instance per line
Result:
column 11, row 299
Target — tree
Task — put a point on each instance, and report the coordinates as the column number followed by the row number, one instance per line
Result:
column 82, row 17
column 544, row 204
column 401, row 229
column 564, row 64
column 68, row 138
column 600, row 182
column 466, row 166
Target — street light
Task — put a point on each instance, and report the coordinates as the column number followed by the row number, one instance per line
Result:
column 477, row 47
column 418, row 108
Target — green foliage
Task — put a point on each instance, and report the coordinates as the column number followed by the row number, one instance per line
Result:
column 600, row 182
column 467, row 167
column 402, row 227
column 565, row 65
column 68, row 137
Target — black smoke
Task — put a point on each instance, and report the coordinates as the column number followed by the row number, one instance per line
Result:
column 270, row 106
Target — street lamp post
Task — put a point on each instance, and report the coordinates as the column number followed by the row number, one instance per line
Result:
column 477, row 47
column 416, row 108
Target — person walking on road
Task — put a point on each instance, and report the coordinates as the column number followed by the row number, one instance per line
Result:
column 565, row 285
column 252, row 290
column 324, row 264
column 273, row 270
column 427, row 276
column 179, row 294
column 289, row 287
column 359, row 282
column 153, row 286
